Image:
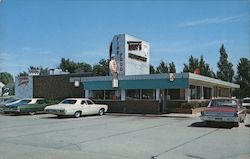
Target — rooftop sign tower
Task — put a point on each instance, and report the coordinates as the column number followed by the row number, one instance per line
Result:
column 130, row 54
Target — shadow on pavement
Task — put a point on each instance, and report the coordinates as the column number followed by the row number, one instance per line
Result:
column 55, row 117
column 212, row 125
column 65, row 117
column 147, row 115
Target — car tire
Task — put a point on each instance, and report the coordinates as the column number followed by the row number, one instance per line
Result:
column 101, row 112
column 77, row 114
column 59, row 116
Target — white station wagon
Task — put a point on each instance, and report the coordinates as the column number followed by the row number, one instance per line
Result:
column 76, row 107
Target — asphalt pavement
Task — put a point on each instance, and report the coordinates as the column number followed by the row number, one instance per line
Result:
column 119, row 136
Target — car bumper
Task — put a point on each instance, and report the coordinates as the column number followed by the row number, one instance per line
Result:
column 219, row 119
column 11, row 111
column 56, row 112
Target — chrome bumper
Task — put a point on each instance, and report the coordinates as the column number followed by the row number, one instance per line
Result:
column 57, row 112
column 219, row 118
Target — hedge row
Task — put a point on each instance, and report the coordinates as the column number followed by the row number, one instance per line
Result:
column 194, row 104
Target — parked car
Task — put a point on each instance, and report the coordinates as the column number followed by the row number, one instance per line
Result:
column 224, row 110
column 26, row 106
column 246, row 102
column 76, row 107
column 4, row 101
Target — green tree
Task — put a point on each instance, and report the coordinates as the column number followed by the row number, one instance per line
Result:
column 205, row 68
column 102, row 68
column 67, row 65
column 152, row 69
column 44, row 71
column 172, row 68
column 73, row 67
column 6, row 78
column 83, row 67
column 243, row 78
column 226, row 71
column 195, row 63
column 162, row 68
column 22, row 74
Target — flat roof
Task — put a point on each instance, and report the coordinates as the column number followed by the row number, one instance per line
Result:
column 181, row 80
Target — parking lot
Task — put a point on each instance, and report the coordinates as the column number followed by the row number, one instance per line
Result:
column 115, row 136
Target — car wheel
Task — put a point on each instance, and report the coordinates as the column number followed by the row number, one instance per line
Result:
column 101, row 112
column 77, row 114
column 59, row 116
column 32, row 113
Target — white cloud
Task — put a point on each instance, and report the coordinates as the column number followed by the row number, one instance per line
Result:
column 207, row 21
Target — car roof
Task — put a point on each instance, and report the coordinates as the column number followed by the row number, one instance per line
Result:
column 76, row 99
column 246, row 98
column 31, row 98
column 223, row 98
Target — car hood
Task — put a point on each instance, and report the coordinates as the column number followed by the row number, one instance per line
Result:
column 58, row 106
column 220, row 109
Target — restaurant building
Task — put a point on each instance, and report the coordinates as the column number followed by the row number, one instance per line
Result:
column 131, row 89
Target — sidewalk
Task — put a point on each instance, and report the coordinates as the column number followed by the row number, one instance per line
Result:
column 170, row 115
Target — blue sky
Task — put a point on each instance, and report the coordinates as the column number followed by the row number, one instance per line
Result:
column 41, row 32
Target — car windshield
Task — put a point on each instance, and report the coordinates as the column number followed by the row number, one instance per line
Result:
column 68, row 101
column 223, row 102
column 19, row 103
column 246, row 101
column 24, row 101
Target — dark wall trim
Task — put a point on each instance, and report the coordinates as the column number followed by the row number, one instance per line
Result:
column 132, row 106
column 55, row 87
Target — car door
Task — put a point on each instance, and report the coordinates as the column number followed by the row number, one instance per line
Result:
column 92, row 107
column 40, row 105
column 85, row 108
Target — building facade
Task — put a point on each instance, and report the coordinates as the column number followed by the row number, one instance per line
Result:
column 159, row 89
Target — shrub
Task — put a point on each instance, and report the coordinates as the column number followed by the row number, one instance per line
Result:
column 194, row 104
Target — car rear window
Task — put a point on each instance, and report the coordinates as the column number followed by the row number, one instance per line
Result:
column 89, row 102
column 224, row 102
column 68, row 101
column 41, row 101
